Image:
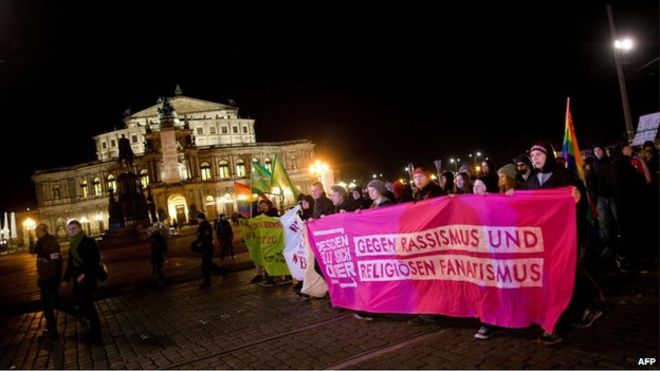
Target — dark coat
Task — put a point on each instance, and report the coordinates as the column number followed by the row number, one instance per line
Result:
column 430, row 190
column 223, row 230
column 323, row 206
column 90, row 256
column 158, row 248
column 205, row 236
column 347, row 205
column 49, row 259
column 601, row 174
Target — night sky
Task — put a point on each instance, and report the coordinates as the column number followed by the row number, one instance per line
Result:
column 374, row 88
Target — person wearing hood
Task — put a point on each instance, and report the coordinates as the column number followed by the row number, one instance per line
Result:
column 446, row 182
column 425, row 187
column 549, row 174
column 523, row 168
column 360, row 201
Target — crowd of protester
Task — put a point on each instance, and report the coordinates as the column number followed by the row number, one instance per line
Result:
column 621, row 188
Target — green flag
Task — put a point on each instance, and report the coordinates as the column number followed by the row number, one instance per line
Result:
column 261, row 178
column 281, row 179
column 264, row 238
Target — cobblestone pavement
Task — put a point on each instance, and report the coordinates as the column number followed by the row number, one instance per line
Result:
column 235, row 325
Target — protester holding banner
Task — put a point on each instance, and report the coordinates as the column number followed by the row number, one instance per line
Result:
column 377, row 192
column 489, row 176
column 507, row 179
column 341, row 200
column 425, row 187
column 306, row 207
column 359, row 199
column 523, row 168
column 322, row 204
column 402, row 192
column 479, row 187
column 548, row 174
column 462, row 183
column 446, row 183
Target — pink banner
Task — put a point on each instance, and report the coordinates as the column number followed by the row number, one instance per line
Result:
column 508, row 260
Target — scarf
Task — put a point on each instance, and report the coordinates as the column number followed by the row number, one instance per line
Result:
column 74, row 243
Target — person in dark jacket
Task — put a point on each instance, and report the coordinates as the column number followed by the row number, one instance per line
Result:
column 489, row 176
column 225, row 235
column 402, row 192
column 340, row 199
column 205, row 243
column 425, row 187
column 601, row 188
column 49, row 271
column 446, row 182
column 267, row 208
column 82, row 268
column 322, row 204
column 158, row 247
column 377, row 192
column 307, row 207
column 523, row 168
column 549, row 173
column 628, row 189
column 362, row 202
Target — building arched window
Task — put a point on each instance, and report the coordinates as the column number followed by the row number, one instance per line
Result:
column 206, row 171
column 144, row 178
column 112, row 183
column 269, row 164
column 254, row 159
column 240, row 168
column 223, row 168
column 97, row 186
column 84, row 191
column 294, row 162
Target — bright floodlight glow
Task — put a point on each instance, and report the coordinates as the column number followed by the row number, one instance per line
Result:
column 625, row 44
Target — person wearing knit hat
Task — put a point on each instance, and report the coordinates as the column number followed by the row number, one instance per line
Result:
column 377, row 192
column 507, row 178
column 425, row 187
column 523, row 168
column 549, row 174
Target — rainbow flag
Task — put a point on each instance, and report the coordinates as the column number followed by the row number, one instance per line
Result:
column 243, row 193
column 571, row 153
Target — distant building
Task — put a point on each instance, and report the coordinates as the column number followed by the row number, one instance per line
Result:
column 187, row 160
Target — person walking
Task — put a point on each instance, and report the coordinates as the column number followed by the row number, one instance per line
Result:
column 49, row 271
column 204, row 245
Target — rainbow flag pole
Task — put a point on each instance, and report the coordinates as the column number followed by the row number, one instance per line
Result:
column 571, row 153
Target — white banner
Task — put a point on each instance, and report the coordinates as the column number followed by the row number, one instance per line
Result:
column 294, row 249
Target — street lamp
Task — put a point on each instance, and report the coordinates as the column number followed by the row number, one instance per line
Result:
column 621, row 46
column 319, row 168
column 453, row 161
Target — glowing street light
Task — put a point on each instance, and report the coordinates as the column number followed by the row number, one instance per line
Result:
column 624, row 45
column 319, row 168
